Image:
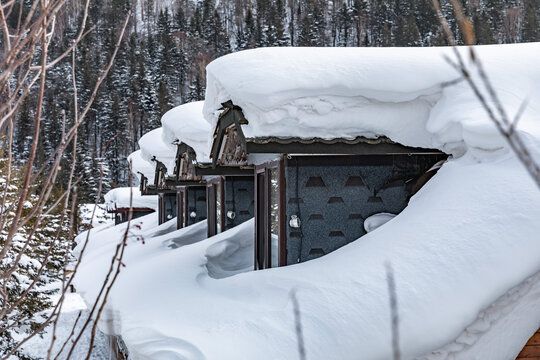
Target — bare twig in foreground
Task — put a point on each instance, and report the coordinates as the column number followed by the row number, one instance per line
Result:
column 394, row 316
column 485, row 92
column 298, row 325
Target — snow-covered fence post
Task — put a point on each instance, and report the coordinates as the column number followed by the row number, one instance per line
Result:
column 394, row 315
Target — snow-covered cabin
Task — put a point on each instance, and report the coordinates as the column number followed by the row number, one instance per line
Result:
column 228, row 191
column 141, row 169
column 320, row 170
column 185, row 132
column 465, row 252
column 120, row 201
column 230, row 196
column 155, row 151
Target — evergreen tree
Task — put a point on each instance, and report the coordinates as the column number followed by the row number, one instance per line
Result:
column 531, row 31
column 23, row 131
column 482, row 29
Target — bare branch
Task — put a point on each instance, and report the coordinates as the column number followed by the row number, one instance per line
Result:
column 394, row 316
column 298, row 325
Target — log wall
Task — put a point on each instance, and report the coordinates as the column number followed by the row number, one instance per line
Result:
column 531, row 350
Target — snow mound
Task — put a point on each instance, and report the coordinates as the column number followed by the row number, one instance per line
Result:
column 158, row 346
column 233, row 255
column 152, row 145
column 186, row 123
column 190, row 235
column 72, row 305
column 402, row 93
column 165, row 228
column 377, row 220
column 455, row 247
column 126, row 197
column 507, row 321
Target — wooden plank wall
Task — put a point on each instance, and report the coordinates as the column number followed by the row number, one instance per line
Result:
column 531, row 350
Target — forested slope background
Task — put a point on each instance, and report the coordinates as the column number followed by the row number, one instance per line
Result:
column 162, row 58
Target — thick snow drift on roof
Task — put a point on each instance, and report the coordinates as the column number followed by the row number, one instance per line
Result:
column 126, row 197
column 152, row 144
column 348, row 92
column 139, row 165
column 186, row 123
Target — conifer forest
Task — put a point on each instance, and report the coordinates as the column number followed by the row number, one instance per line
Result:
column 162, row 59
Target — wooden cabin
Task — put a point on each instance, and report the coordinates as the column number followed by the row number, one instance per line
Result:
column 167, row 208
column 313, row 195
column 188, row 188
column 122, row 214
column 230, row 196
column 120, row 201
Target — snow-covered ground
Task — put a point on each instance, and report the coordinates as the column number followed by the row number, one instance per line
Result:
column 447, row 278
column 465, row 252
column 38, row 347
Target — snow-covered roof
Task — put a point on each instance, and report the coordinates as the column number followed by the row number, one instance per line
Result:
column 125, row 197
column 139, row 165
column 186, row 123
column 152, row 145
column 348, row 92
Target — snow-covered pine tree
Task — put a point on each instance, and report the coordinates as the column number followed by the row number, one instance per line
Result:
column 35, row 262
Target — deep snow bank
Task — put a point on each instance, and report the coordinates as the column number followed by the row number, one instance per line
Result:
column 401, row 93
column 466, row 239
column 38, row 346
column 186, row 123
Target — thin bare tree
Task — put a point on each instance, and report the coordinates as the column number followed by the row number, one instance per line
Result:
column 25, row 63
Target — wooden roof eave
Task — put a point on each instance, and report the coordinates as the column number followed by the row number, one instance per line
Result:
column 209, row 169
column 318, row 146
column 172, row 183
column 127, row 209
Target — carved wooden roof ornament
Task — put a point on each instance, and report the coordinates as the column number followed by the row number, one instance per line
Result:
column 143, row 183
column 160, row 174
column 229, row 146
column 232, row 152
column 186, row 160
